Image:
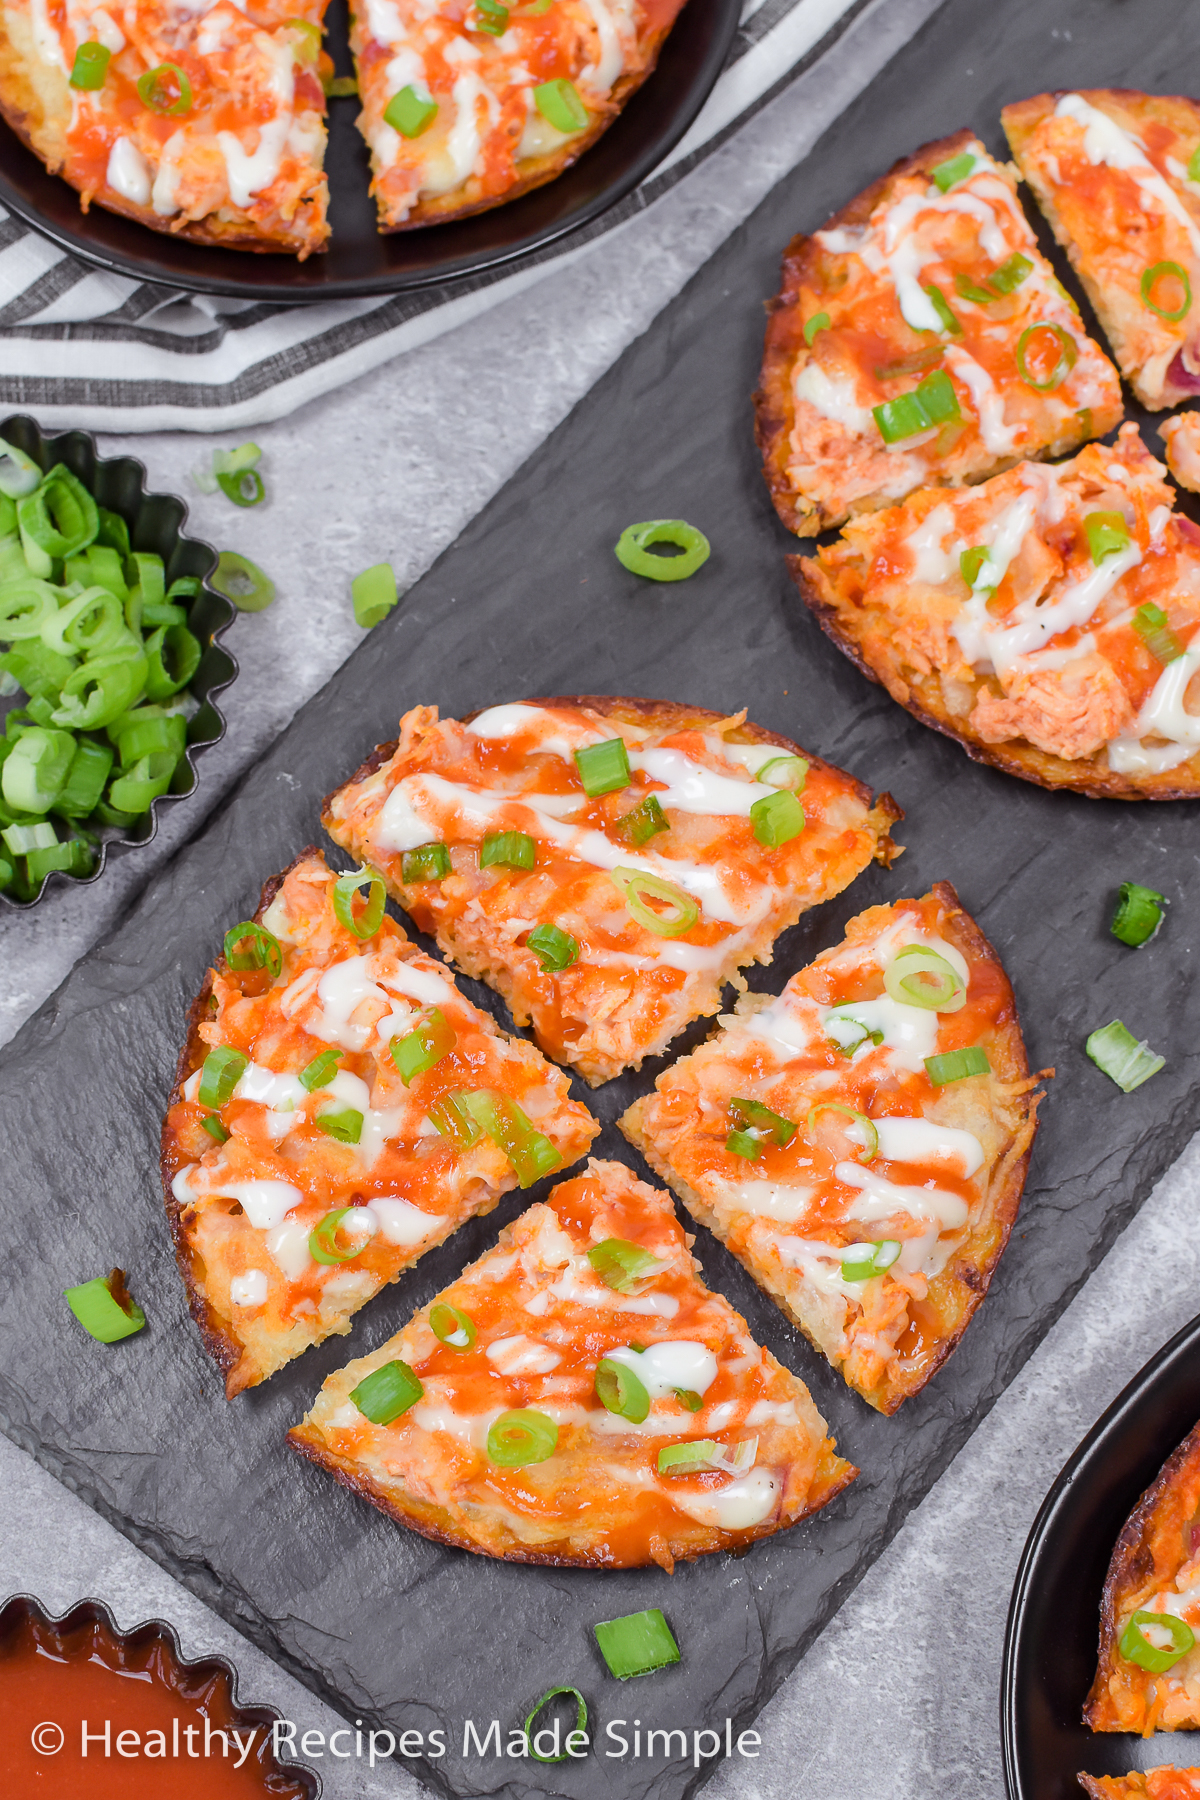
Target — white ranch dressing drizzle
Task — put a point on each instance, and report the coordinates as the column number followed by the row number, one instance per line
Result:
column 521, row 1355
column 249, row 1289
column 579, row 1285
column 787, row 1031
column 833, row 397
column 1075, row 605
column 402, row 1223
column 884, row 1199
column 610, row 61
column 909, row 1032
column 818, row 1263
column 342, row 989
column 1104, row 141
column 999, row 437
column 926, row 545
column 923, row 1141
column 662, row 1368
column 465, row 141
column 265, row 1203
column 287, row 1246
column 692, row 788
column 771, row 1200
column 128, row 173
column 249, row 172
column 741, row 1504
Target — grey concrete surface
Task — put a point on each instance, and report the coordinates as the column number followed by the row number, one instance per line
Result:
column 899, row 1697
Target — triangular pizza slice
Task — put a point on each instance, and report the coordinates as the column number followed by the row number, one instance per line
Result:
column 579, row 1397
column 1144, row 1784
column 339, row 1108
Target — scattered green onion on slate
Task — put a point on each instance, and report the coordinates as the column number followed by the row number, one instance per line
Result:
column 1107, row 534
column 819, row 322
column 387, row 1392
column 621, row 1265
column 580, row 1730
column 1150, row 623
column 530, row 1152
column 620, row 1391
column 948, row 174
column 366, row 923
column 323, row 1239
column 244, row 489
column 321, row 1070
column 637, row 887
column 1139, row 914
column 451, row 1327
column 220, row 1073
column 520, row 1438
column 603, row 768
column 645, row 821
column 1135, row 1647
column 165, row 89
column 242, row 581
column 105, row 1308
column 1125, row 1060
column 862, row 1262
column 344, row 1124
column 917, row 977
column 637, row 1644
column 560, row 105
column 554, row 948
column 374, row 594
column 956, row 1065
column 428, row 862
column 90, row 67
column 252, row 946
column 507, row 850
column 409, row 114
column 634, row 549
column 425, row 1046
column 1173, row 272
column 1068, row 354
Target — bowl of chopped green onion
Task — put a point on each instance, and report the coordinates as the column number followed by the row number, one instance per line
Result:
column 110, row 660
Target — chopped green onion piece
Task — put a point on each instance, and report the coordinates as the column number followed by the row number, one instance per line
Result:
column 752, row 1115
column 1139, row 914
column 25, row 607
column 917, row 977
column 937, row 396
column 555, row 949
column 620, row 1391
column 581, row 1711
column 90, row 66
column 374, row 594
column 967, row 289
column 645, row 821
column 1173, row 272
column 784, row 772
column 100, row 690
column 848, row 1033
column 1150, row 623
column 425, row 1046
column 860, row 1131
column 344, row 1125
column 603, row 768
column 36, row 768
column 690, row 1458
column 507, row 849
column 321, row 1070
column 1125, row 1060
column 72, row 858
column 1107, row 534
column 306, row 41
column 89, row 770
column 948, row 174
column 340, row 87
column 20, row 840
column 932, row 402
column 943, row 309
column 387, row 1392
column 970, row 562
column 746, row 1144
column 689, row 1399
column 366, row 923
column 105, row 1308
column 252, row 946
column 409, row 114
column 862, row 1262
column 529, row 1151
column 819, row 322
column 451, row 1327
column 212, row 1124
column 105, row 567
column 89, row 625
column 1136, row 1647
column 777, row 818
column 165, row 89
column 956, row 1065
column 633, row 549
column 916, row 364
column 138, row 787
column 1193, row 168
column 621, row 1265
column 521, row 1437
column 559, row 104
column 637, row 1644
column 428, row 862
column 491, row 17
column 454, row 1120
column 244, row 456
column 222, row 1069
column 19, row 474
column 113, row 531
column 238, row 579
column 635, row 886
column 323, row 1238
column 1028, row 343
column 244, row 488
column 145, row 731
column 58, row 519
column 1012, row 272
column 172, row 658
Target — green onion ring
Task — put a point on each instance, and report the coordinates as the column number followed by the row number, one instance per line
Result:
column 236, row 578
column 322, row 1239
column 452, row 1327
column 244, row 488
column 387, row 1392
column 633, row 549
column 870, row 1149
column 321, row 1070
column 1067, row 357
column 620, row 1391
column 260, row 949
column 153, row 90
column 520, row 1438
column 1149, row 278
column 1135, row 1648
column 633, row 884
column 581, row 1719
column 941, row 990
column 220, row 1073
column 367, row 923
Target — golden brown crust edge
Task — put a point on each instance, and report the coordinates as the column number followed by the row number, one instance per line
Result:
column 1022, row 759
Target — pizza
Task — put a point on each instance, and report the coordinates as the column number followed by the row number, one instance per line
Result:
column 921, row 337
column 1182, row 438
column 579, row 1397
column 339, row 1108
column 1048, row 620
column 207, row 122
column 607, row 865
column 860, row 1142
column 467, row 106
column 1117, row 174
column 1148, row 1674
column 1149, row 1784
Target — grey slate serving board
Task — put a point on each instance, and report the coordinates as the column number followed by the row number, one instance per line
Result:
column 530, row 600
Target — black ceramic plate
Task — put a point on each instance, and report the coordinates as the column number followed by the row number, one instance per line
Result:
column 359, row 261
column 1054, row 1621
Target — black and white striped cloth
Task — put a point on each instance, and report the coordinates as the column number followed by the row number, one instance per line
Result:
column 82, row 347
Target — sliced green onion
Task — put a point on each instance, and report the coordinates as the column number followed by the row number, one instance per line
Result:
column 956, row 1065
column 105, row 567
column 454, row 1119
column 451, row 1327
column 522, row 1437
column 689, row 1399
column 1193, row 168
column 622, row 1265
column 89, row 770
column 530, row 1152
column 943, row 309
column 555, row 949
column 136, row 788
column 410, row 115
column 344, row 1124
column 937, row 396
column 374, row 592
column 39, row 671
column 691, row 1458
column 90, row 624
column 172, row 658
column 323, row 1238
column 1068, row 353
column 366, row 923
column 560, row 105
column 321, row 1070
column 425, row 1046
column 918, row 977
column 215, row 1129
column 58, row 519
column 1125, row 1060
column 581, row 1711
column 971, row 561
column 633, row 549
column 306, row 40
column 165, row 89
column 428, row 862
column 1107, row 534
column 387, row 1392
column 19, row 474
column 112, row 530
column 1139, row 914
column 244, row 489
column 1012, row 272
column 620, row 1391
column 637, row 1644
column 100, row 690
column 645, row 821
column 862, row 1262
column 603, row 768
column 25, row 607
column 784, row 772
column 777, row 818
column 1135, row 1647
column 752, row 1115
column 867, row 1136
column 1173, row 272
column 636, row 886
column 1150, row 623
column 957, row 168
column 90, row 66
column 36, row 768
column 508, row 849
column 222, row 1069
column 105, row 1308
column 819, row 322
column 849, row 1034
column 20, row 840
column 746, row 1144
column 339, row 87
column 967, row 289
column 243, row 582
column 491, row 17
column 901, row 418
column 252, row 946
column 915, row 364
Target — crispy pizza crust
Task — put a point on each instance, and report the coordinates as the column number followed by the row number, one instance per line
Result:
column 1181, row 435
column 1159, row 1541
column 1148, row 1784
